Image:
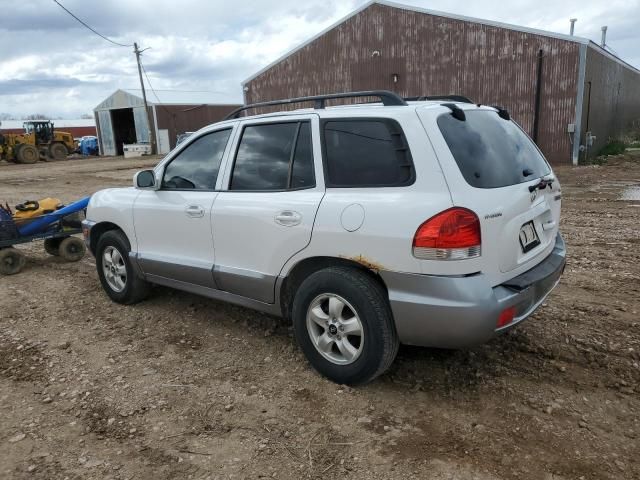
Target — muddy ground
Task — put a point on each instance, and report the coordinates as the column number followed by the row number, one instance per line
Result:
column 184, row 387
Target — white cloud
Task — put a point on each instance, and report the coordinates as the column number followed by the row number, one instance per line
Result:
column 51, row 64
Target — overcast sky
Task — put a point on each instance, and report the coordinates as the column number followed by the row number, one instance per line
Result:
column 51, row 64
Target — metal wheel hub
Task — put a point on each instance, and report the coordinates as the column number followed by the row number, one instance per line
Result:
column 114, row 269
column 335, row 329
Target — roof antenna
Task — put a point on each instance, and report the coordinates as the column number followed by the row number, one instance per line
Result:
column 573, row 25
column 603, row 43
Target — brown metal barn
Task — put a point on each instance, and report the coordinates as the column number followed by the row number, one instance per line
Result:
column 563, row 90
column 121, row 118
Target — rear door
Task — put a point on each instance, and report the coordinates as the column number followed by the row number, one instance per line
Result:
column 266, row 214
column 494, row 169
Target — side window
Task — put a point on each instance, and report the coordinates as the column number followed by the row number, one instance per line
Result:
column 367, row 153
column 197, row 166
column 274, row 156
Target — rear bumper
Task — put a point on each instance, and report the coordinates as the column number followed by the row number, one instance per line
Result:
column 456, row 312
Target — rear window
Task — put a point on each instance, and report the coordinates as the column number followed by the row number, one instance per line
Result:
column 366, row 153
column 492, row 152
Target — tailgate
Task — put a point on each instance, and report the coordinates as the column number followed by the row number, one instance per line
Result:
column 518, row 227
column 494, row 169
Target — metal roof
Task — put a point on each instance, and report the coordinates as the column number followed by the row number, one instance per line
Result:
column 124, row 98
column 80, row 122
column 436, row 13
column 183, row 97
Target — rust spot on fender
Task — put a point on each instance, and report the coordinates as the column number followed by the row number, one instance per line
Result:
column 365, row 262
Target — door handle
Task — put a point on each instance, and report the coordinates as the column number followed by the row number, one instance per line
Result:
column 194, row 211
column 288, row 218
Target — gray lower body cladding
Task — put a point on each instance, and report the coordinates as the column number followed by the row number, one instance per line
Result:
column 429, row 310
column 456, row 312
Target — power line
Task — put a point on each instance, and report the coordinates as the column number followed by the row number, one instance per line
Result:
column 154, row 92
column 149, row 82
column 90, row 28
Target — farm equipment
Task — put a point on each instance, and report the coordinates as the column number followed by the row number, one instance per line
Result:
column 39, row 141
column 46, row 220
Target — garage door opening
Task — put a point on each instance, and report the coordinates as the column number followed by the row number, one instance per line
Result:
column 124, row 128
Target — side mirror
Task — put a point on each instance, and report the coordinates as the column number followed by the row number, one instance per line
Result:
column 145, row 179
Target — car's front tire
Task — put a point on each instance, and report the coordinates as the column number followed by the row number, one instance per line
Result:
column 343, row 324
column 115, row 270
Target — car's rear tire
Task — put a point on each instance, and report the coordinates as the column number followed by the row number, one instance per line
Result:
column 116, row 273
column 344, row 325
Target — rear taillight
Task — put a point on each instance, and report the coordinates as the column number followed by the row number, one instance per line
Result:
column 450, row 235
column 506, row 317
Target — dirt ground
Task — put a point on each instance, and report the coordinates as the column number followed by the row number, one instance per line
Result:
column 184, row 387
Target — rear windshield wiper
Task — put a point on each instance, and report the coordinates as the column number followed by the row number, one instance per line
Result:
column 542, row 184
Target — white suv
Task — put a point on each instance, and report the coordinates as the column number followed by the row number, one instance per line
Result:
column 427, row 222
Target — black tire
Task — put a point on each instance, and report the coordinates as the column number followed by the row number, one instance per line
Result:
column 27, row 154
column 370, row 301
column 135, row 288
column 52, row 246
column 72, row 249
column 12, row 261
column 58, row 151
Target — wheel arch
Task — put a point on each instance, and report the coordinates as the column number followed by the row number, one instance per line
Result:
column 307, row 266
column 98, row 230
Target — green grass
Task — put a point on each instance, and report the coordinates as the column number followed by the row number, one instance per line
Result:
column 615, row 147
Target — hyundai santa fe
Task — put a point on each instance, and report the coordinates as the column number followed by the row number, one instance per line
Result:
column 429, row 222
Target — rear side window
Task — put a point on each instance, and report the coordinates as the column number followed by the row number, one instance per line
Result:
column 492, row 152
column 274, row 156
column 196, row 167
column 366, row 153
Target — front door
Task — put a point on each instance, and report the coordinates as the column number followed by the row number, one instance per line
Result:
column 266, row 215
column 173, row 224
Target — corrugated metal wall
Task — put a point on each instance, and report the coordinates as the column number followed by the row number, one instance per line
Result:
column 141, row 122
column 436, row 55
column 188, row 118
column 611, row 98
column 105, row 131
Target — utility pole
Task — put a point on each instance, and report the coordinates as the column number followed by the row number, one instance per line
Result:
column 152, row 131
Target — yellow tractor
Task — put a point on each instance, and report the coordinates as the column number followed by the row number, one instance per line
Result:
column 39, row 141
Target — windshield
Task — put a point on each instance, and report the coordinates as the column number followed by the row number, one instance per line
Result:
column 492, row 152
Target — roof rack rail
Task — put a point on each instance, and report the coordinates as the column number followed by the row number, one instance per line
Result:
column 453, row 98
column 388, row 99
